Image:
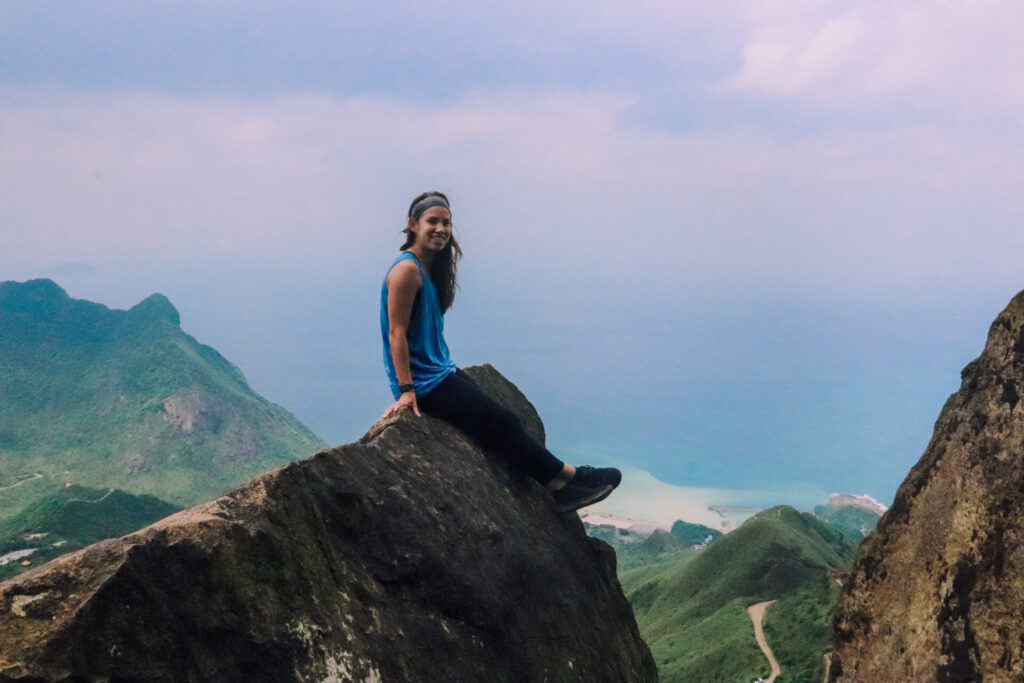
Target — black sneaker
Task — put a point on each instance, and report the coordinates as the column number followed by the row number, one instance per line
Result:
column 597, row 476
column 574, row 496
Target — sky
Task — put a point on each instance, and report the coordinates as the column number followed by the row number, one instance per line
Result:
column 746, row 246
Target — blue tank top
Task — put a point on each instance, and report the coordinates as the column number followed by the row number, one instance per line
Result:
column 429, row 360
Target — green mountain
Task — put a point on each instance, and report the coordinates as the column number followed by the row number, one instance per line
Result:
column 850, row 516
column 694, row 534
column 799, row 629
column 70, row 519
column 691, row 608
column 109, row 398
column 658, row 548
column 635, row 549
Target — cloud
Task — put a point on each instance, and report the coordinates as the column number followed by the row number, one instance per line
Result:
column 545, row 177
column 957, row 54
column 145, row 174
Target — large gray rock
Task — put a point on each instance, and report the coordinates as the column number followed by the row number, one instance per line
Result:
column 408, row 556
column 938, row 590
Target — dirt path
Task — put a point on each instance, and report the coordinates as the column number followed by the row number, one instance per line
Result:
column 756, row 613
column 37, row 475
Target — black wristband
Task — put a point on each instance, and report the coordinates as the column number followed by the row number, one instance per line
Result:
column 405, row 388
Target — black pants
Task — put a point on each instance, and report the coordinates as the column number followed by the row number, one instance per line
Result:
column 460, row 402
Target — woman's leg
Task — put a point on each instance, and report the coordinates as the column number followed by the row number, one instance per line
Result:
column 459, row 401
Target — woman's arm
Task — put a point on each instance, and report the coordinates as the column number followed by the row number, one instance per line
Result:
column 403, row 282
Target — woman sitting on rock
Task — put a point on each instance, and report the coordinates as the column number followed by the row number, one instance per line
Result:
column 418, row 289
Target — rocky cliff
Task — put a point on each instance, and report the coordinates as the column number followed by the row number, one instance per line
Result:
column 938, row 591
column 408, row 556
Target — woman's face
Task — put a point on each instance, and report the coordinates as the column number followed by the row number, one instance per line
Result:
column 433, row 229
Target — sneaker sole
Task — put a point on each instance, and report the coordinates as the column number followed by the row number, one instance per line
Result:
column 598, row 495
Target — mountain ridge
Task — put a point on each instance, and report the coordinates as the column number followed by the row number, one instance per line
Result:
column 70, row 519
column 692, row 610
column 104, row 397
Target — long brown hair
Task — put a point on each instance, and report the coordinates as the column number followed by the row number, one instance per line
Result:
column 445, row 265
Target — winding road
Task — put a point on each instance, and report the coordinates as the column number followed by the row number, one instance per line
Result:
column 37, row 475
column 756, row 613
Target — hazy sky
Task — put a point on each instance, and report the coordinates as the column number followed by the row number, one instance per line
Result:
column 738, row 246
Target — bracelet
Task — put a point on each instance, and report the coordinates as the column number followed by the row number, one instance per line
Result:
column 405, row 388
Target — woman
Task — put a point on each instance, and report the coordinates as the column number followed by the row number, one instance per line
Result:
column 418, row 289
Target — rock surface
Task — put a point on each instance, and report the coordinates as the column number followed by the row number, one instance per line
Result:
column 938, row 590
column 408, row 556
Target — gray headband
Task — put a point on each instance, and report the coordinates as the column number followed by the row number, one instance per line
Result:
column 427, row 202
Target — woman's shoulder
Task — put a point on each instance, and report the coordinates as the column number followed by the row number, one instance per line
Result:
column 404, row 270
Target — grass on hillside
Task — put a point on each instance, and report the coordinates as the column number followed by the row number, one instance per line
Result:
column 636, row 570
column 693, row 534
column 799, row 630
column 101, row 398
column 71, row 519
column 719, row 648
column 691, row 610
column 853, row 522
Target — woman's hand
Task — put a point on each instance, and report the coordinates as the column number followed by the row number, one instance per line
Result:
column 406, row 400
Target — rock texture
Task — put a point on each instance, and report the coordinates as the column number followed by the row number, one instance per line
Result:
column 938, row 591
column 408, row 556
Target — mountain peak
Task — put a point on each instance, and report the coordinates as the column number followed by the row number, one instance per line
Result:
column 690, row 607
column 861, row 501
column 1007, row 331
column 32, row 295
column 156, row 307
column 935, row 594
column 120, row 396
